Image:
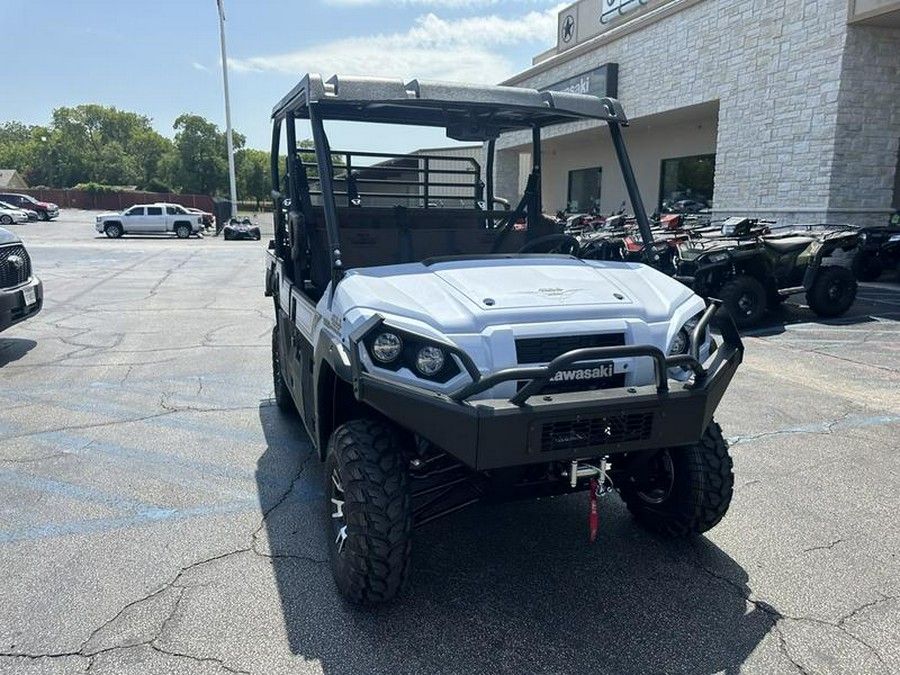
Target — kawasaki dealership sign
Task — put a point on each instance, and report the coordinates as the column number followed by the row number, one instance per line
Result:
column 589, row 18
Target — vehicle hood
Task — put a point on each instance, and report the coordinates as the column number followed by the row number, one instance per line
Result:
column 473, row 294
column 7, row 237
column 111, row 214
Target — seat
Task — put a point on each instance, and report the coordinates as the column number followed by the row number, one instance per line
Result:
column 785, row 245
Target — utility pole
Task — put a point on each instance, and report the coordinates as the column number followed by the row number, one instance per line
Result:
column 231, row 180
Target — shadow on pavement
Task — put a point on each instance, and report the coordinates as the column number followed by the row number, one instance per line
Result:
column 13, row 349
column 510, row 588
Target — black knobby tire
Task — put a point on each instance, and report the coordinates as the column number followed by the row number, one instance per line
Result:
column 368, row 487
column 745, row 299
column 867, row 267
column 182, row 231
column 833, row 292
column 282, row 395
column 692, row 491
column 113, row 230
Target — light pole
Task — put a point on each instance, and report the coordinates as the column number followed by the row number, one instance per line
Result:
column 231, row 180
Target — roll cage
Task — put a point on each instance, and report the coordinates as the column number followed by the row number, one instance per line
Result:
column 308, row 227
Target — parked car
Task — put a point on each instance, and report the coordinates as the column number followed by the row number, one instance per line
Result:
column 45, row 210
column 9, row 214
column 30, row 215
column 21, row 293
column 241, row 229
column 157, row 218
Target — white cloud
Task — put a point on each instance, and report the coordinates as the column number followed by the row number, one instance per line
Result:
column 461, row 49
column 198, row 66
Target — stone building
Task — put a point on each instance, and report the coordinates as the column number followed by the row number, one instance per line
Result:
column 785, row 109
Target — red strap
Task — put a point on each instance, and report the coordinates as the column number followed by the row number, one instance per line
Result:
column 593, row 518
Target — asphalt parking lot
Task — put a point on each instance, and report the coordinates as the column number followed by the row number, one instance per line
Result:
column 158, row 514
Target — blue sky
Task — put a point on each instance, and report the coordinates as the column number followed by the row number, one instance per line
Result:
column 161, row 58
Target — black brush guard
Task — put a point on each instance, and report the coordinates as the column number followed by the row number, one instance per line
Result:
column 529, row 428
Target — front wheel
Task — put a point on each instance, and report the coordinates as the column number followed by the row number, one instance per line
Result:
column 43, row 215
column 833, row 291
column 683, row 491
column 113, row 230
column 182, row 231
column 6, row 219
column 369, row 512
column 745, row 299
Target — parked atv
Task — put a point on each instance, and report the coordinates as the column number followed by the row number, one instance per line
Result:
column 754, row 273
column 879, row 249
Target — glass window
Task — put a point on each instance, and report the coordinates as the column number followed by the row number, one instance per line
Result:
column 135, row 211
column 584, row 190
column 686, row 183
column 154, row 210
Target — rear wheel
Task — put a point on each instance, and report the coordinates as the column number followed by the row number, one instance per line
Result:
column 833, row 291
column 282, row 395
column 113, row 230
column 745, row 298
column 369, row 512
column 867, row 267
column 683, row 491
column 182, row 231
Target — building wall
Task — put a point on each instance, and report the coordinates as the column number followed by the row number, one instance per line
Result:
column 868, row 128
column 774, row 68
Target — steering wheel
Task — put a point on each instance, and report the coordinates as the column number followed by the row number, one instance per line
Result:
column 553, row 243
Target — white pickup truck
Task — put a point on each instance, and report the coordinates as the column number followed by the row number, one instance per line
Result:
column 158, row 218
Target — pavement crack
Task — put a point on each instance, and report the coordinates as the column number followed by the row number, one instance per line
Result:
column 778, row 617
column 254, row 537
column 826, row 547
column 199, row 659
column 884, row 598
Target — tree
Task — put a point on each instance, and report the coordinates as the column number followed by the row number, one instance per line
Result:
column 202, row 158
column 253, row 175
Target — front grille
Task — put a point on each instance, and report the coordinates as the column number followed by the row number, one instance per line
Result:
column 12, row 274
column 595, row 431
column 545, row 349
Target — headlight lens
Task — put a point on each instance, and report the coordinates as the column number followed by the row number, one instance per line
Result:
column 430, row 360
column 387, row 347
column 680, row 343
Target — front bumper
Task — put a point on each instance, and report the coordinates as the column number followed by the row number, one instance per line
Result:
column 13, row 305
column 531, row 428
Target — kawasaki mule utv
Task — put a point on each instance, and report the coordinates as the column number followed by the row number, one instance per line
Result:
column 441, row 354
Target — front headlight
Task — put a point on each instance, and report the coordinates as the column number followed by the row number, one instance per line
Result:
column 680, row 343
column 430, row 360
column 718, row 257
column 394, row 349
column 387, row 347
column 893, row 238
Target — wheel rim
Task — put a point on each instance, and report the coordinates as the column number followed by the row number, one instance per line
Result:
column 338, row 522
column 747, row 304
column 662, row 479
column 836, row 290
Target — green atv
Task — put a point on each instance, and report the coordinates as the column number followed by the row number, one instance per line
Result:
column 752, row 274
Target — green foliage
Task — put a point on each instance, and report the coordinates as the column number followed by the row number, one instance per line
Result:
column 94, row 188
